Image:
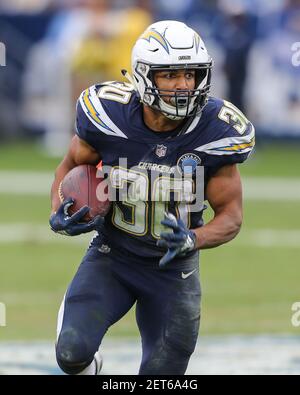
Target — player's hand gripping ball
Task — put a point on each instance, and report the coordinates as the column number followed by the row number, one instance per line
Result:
column 84, row 196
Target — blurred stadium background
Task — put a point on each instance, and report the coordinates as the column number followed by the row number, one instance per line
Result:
column 55, row 49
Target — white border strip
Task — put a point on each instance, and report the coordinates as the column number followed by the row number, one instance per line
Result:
column 29, row 233
column 255, row 188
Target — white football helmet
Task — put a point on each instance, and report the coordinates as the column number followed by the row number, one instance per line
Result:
column 171, row 45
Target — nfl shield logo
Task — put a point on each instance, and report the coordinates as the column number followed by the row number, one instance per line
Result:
column 161, row 150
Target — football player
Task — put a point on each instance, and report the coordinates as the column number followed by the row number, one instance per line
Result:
column 146, row 252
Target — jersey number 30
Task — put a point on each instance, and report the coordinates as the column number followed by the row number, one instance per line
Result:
column 230, row 113
column 145, row 216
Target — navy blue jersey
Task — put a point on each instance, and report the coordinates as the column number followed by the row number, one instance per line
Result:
column 110, row 119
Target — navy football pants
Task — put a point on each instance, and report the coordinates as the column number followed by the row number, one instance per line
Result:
column 105, row 288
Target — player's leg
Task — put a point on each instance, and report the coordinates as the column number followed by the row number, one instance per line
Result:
column 168, row 319
column 94, row 301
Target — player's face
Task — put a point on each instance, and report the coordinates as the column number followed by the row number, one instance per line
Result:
column 174, row 80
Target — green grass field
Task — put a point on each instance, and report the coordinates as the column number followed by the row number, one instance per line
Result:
column 247, row 288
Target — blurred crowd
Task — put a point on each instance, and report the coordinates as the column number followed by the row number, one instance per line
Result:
column 57, row 48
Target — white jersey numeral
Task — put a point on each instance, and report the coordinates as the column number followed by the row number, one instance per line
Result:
column 230, row 112
column 116, row 91
column 135, row 201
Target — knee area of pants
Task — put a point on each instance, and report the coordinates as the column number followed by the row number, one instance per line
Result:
column 165, row 359
column 72, row 352
column 181, row 330
column 183, row 344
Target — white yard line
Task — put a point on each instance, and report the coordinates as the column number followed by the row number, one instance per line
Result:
column 228, row 355
column 273, row 189
column 270, row 238
column 24, row 232
column 255, row 188
column 25, row 183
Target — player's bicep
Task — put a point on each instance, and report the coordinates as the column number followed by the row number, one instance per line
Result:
column 80, row 152
column 224, row 192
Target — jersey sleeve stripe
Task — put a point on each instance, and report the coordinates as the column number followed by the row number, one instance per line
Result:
column 230, row 145
column 93, row 109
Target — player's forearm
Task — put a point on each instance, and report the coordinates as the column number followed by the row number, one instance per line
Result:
column 64, row 167
column 221, row 229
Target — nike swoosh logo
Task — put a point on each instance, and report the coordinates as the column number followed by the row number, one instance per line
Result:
column 186, row 275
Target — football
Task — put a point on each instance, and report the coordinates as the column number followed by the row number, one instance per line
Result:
column 87, row 186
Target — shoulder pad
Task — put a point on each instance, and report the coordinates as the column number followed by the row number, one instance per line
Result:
column 231, row 132
column 91, row 103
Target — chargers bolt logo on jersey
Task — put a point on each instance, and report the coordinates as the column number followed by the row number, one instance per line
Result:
column 188, row 163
